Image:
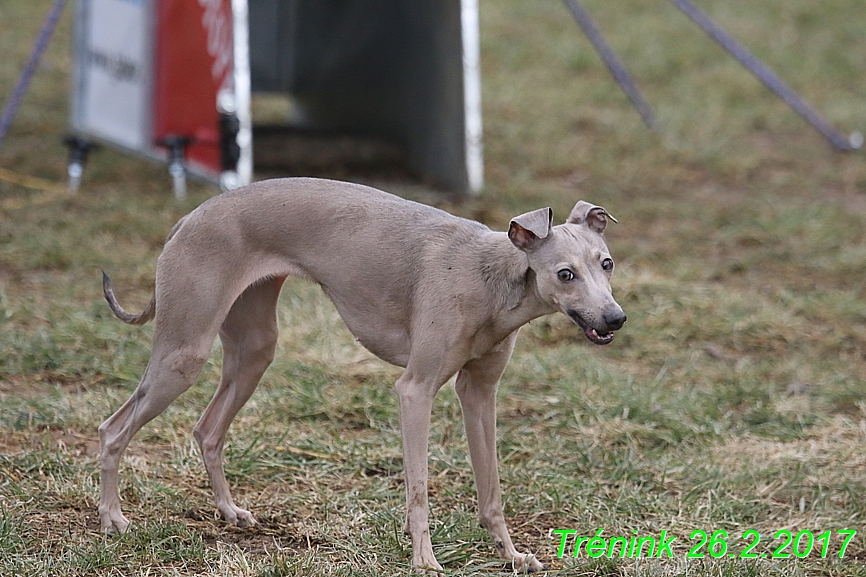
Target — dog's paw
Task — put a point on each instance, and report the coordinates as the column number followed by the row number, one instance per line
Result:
column 113, row 522
column 527, row 563
column 245, row 519
column 237, row 516
column 430, row 570
column 426, row 564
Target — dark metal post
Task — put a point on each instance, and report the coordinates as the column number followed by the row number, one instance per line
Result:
column 176, row 162
column 78, row 150
column 613, row 63
column 769, row 78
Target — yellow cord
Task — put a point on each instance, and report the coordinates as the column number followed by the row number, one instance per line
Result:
column 52, row 188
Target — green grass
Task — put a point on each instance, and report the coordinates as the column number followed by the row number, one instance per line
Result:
column 734, row 398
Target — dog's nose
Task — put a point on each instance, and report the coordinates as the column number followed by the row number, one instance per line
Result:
column 615, row 319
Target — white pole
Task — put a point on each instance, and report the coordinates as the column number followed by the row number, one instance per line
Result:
column 472, row 94
column 240, row 32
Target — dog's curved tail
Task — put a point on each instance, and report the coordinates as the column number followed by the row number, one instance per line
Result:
column 141, row 318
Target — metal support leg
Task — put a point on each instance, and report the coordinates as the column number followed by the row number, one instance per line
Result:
column 613, row 63
column 176, row 166
column 769, row 78
column 78, row 150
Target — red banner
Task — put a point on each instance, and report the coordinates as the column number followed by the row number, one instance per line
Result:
column 194, row 60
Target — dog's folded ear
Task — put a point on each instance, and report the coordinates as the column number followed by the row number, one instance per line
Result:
column 528, row 230
column 595, row 217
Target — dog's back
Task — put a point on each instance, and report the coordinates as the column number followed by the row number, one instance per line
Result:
column 371, row 252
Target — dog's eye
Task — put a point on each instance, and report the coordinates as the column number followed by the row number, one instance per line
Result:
column 565, row 275
column 607, row 264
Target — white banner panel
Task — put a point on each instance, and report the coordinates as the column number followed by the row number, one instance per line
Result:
column 114, row 59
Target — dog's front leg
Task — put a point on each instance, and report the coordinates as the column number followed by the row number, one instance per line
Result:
column 416, row 403
column 476, row 387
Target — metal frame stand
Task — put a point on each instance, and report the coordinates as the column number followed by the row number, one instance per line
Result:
column 769, row 78
column 613, row 63
column 177, row 162
column 763, row 73
column 78, row 150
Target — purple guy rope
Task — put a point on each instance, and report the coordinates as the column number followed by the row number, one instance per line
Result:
column 30, row 67
column 769, row 78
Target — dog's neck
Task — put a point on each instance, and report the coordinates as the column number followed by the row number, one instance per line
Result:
column 505, row 270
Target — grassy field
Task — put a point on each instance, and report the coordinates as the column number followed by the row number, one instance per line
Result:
column 734, row 399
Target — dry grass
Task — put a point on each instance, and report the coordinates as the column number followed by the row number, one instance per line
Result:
column 734, row 398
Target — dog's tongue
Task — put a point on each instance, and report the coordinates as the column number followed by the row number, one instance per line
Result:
column 598, row 338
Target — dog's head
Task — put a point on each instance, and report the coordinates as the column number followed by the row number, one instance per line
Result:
column 572, row 266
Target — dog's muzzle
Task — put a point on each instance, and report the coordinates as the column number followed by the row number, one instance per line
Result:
column 613, row 319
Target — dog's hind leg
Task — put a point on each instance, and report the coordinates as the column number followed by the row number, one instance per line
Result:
column 476, row 388
column 189, row 312
column 170, row 372
column 249, row 339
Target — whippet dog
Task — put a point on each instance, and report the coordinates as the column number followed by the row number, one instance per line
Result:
column 422, row 289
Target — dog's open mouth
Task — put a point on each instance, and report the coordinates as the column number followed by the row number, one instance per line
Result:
column 599, row 338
